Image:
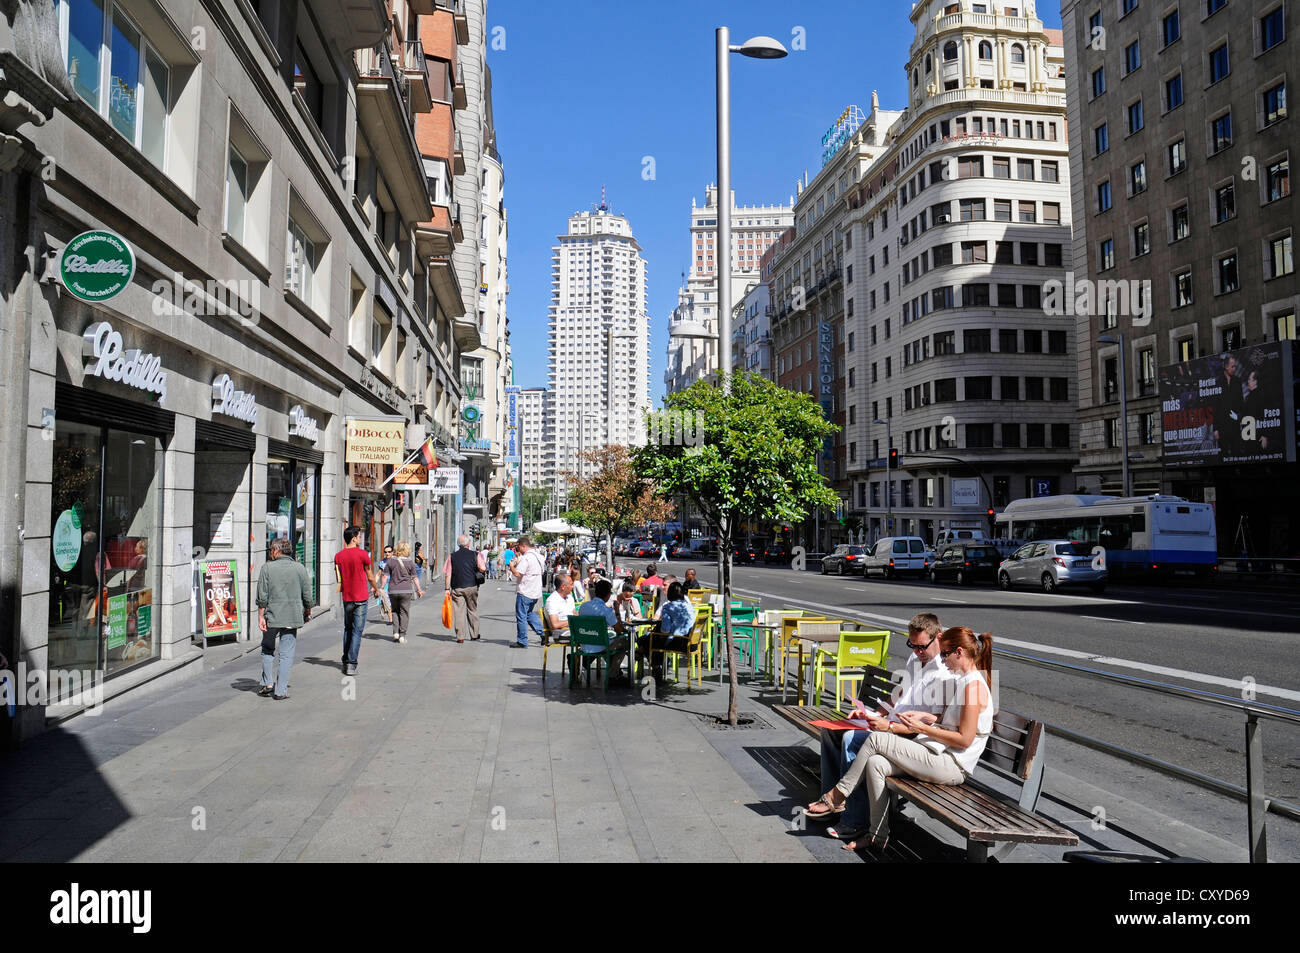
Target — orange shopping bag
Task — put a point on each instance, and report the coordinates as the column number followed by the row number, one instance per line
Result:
column 446, row 611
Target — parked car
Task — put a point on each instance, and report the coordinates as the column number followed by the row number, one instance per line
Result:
column 895, row 555
column 845, row 560
column 646, row 549
column 1050, row 564
column 679, row 551
column 965, row 563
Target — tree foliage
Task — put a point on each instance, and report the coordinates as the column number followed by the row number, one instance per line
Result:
column 752, row 456
column 531, row 502
column 614, row 496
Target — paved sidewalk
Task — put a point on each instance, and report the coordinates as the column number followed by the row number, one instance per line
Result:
column 446, row 752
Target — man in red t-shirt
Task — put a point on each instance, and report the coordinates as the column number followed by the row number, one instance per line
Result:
column 356, row 582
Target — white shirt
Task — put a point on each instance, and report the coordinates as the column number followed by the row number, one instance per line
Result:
column 926, row 688
column 560, row 606
column 968, row 757
column 531, row 565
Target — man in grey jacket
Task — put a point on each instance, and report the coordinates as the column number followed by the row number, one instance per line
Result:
column 284, row 602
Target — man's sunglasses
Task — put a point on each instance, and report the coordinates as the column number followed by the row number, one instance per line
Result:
column 916, row 647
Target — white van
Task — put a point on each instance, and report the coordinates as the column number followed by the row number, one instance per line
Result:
column 958, row 535
column 895, row 555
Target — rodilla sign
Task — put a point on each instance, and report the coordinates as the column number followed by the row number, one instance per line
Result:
column 96, row 265
column 371, row 440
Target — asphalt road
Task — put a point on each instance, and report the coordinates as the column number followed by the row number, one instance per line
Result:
column 1209, row 639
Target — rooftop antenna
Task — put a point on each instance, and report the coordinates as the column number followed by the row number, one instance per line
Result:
column 603, row 206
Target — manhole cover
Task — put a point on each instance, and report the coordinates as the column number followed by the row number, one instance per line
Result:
column 746, row 721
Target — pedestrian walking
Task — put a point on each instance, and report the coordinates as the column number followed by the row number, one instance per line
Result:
column 463, row 574
column 403, row 587
column 381, row 595
column 352, row 563
column 527, row 569
column 418, row 556
column 284, row 602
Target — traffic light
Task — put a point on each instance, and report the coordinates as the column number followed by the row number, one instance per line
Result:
column 893, row 458
column 990, row 512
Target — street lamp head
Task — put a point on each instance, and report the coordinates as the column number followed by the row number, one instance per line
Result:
column 879, row 421
column 761, row 48
column 1107, row 339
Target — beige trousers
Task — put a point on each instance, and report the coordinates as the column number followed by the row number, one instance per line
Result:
column 464, row 608
column 885, row 755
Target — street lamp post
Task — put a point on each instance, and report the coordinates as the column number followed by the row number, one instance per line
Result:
column 1118, row 338
column 889, row 480
column 759, row 47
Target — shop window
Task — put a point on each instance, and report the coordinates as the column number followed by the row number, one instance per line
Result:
column 106, row 513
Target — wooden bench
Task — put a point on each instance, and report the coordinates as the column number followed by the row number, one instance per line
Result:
column 983, row 816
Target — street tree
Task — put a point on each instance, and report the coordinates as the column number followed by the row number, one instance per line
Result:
column 613, row 496
column 756, row 462
column 531, row 502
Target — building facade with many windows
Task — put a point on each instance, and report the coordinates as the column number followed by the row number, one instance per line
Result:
column 1181, row 162
column 953, row 236
column 266, row 198
column 599, row 367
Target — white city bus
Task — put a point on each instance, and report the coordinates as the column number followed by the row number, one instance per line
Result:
column 1147, row 534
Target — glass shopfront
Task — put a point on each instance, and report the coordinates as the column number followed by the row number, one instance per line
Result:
column 223, row 507
column 292, row 508
column 106, row 518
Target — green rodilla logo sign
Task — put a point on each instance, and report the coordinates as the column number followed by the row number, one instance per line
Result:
column 96, row 265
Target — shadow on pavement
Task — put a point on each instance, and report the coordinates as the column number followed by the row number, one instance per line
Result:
column 54, row 804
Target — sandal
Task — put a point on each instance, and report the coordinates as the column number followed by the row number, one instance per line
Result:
column 869, row 843
column 847, row 833
column 825, row 801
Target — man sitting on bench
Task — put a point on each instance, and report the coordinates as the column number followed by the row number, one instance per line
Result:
column 922, row 690
column 946, row 749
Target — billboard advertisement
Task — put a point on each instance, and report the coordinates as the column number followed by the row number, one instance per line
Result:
column 1229, row 408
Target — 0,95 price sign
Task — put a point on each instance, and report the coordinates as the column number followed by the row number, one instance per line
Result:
column 220, row 597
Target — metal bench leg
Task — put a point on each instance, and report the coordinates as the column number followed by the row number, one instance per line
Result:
column 977, row 852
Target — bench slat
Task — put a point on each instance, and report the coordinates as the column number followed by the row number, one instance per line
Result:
column 980, row 815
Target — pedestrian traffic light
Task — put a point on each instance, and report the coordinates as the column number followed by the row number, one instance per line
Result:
column 990, row 512
column 893, row 458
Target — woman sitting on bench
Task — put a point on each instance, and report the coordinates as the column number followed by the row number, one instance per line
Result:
column 945, row 750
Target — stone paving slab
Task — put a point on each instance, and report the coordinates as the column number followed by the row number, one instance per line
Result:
column 436, row 752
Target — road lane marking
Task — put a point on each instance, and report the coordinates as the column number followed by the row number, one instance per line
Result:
column 959, row 602
column 1101, row 618
column 1233, row 683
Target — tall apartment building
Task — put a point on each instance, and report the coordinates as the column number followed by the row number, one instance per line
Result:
column 486, row 372
column 1181, row 163
column 693, row 325
column 952, row 236
column 751, row 344
column 599, row 367
column 535, row 439
column 813, row 301
column 282, row 267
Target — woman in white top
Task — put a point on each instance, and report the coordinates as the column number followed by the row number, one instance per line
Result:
column 944, row 749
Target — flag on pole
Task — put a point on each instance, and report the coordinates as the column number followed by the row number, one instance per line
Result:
column 427, row 455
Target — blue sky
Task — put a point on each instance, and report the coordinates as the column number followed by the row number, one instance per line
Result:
column 584, row 90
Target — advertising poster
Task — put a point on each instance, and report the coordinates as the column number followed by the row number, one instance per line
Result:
column 220, row 582
column 1228, row 408
column 445, row 481
column 130, row 625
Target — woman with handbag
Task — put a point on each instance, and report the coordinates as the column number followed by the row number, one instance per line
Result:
column 403, row 586
column 463, row 572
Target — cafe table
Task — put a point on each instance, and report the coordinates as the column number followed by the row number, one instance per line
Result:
column 812, row 643
column 631, row 655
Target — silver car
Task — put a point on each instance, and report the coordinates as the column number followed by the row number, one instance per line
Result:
column 1052, row 563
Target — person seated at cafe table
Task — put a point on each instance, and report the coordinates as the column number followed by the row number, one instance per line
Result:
column 690, row 582
column 560, row 604
column 676, row 618
column 598, row 606
column 652, row 577
column 625, row 604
